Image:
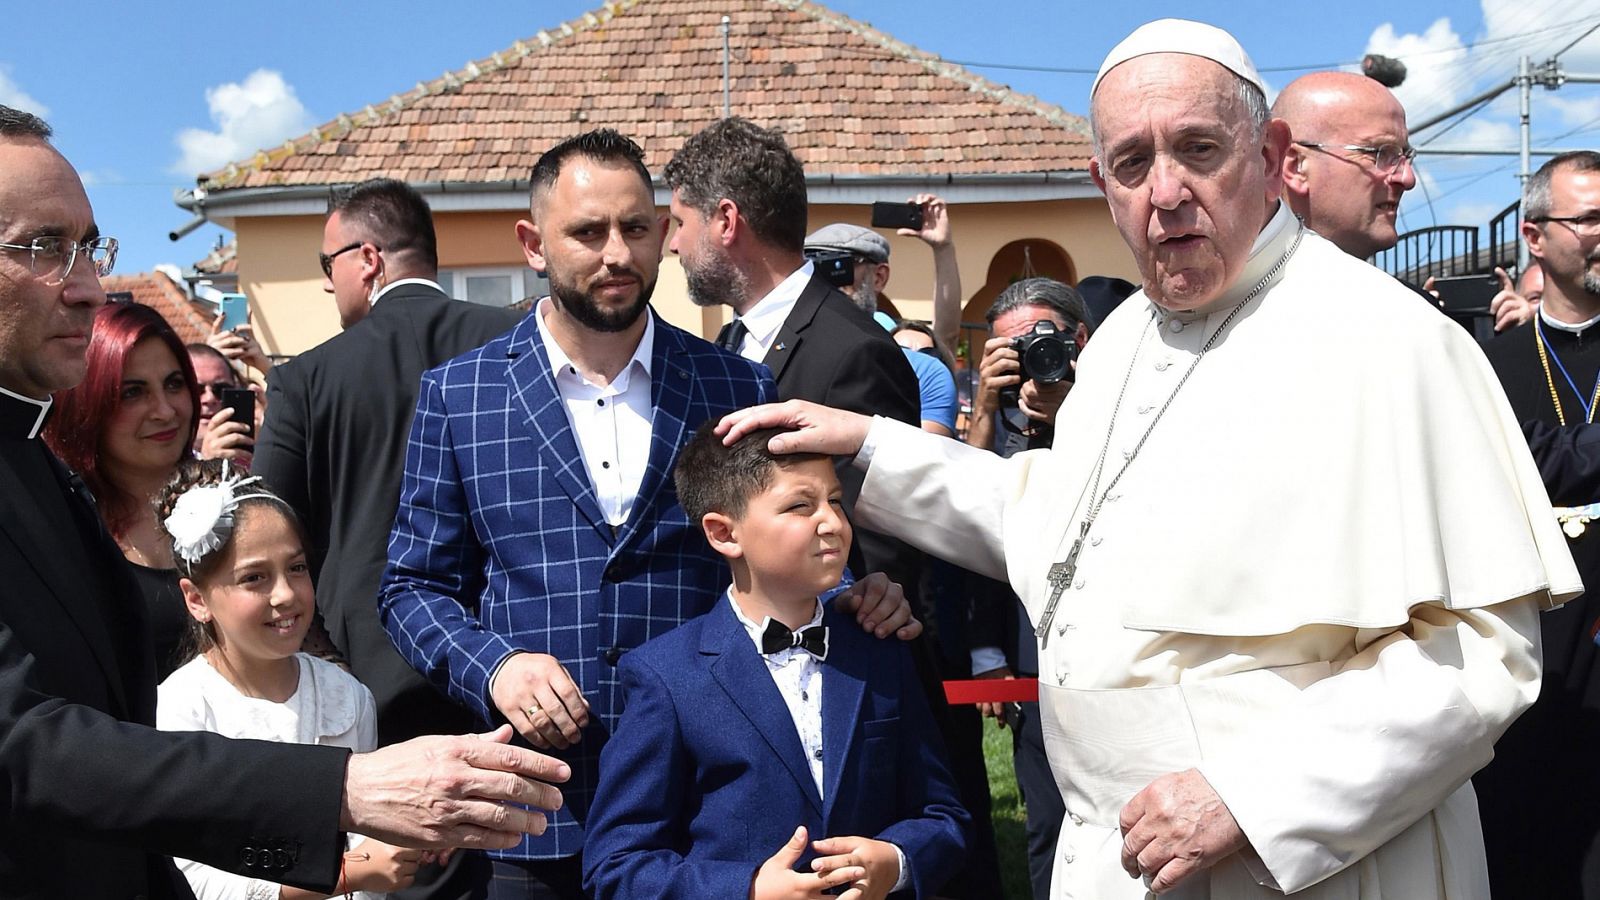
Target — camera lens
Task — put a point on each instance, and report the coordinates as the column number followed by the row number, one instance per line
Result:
column 1045, row 359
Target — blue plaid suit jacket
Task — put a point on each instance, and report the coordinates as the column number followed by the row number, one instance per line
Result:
column 499, row 544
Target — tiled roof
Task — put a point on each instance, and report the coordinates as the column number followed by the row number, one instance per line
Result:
column 849, row 99
column 223, row 260
column 189, row 319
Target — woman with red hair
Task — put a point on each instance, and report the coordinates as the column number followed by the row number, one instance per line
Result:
column 124, row 429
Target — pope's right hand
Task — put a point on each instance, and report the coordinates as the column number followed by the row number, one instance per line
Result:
column 537, row 695
column 816, row 429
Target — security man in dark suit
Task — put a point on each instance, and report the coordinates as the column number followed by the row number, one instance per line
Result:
column 739, row 202
column 334, row 443
column 96, row 801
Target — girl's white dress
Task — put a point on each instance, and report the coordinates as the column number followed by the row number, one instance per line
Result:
column 329, row 707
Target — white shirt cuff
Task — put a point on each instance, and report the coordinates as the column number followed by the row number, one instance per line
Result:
column 863, row 457
column 904, row 881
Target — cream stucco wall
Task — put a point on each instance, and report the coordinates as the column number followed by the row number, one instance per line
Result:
column 278, row 261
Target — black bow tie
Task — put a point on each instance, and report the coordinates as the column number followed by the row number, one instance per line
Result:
column 813, row 639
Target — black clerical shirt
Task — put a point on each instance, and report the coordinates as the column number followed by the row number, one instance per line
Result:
column 1543, row 770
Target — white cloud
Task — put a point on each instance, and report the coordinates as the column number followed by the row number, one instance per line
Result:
column 1473, row 213
column 1435, row 60
column 12, row 95
column 1574, row 110
column 98, row 177
column 250, row 116
column 1484, row 133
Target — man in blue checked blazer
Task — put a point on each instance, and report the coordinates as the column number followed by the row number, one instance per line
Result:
column 539, row 537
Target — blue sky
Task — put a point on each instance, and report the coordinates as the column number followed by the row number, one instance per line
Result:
column 141, row 93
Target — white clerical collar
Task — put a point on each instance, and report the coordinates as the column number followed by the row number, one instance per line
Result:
column 559, row 359
column 1552, row 322
column 763, row 320
column 36, row 410
column 1268, row 247
column 394, row 284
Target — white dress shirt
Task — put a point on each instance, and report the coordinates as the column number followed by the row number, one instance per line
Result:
column 394, row 284
column 798, row 676
column 610, row 422
column 764, row 320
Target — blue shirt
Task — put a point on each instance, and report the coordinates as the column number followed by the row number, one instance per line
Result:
column 937, row 388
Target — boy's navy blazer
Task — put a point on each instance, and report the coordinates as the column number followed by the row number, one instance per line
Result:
column 499, row 543
column 705, row 777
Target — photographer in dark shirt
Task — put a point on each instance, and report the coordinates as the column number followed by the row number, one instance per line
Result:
column 1046, row 322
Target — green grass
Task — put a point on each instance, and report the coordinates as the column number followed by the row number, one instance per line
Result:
column 1009, row 819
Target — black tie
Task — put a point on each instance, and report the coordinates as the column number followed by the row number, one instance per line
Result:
column 813, row 639
column 732, row 336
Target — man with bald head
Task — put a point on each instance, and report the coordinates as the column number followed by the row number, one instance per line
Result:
column 1279, row 623
column 1349, row 160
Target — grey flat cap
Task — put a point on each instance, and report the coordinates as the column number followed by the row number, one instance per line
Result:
column 851, row 239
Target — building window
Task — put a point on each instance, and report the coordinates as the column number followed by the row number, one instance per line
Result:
column 493, row 285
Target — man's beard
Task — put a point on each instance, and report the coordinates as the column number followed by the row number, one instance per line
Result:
column 866, row 295
column 581, row 306
column 1591, row 279
column 713, row 280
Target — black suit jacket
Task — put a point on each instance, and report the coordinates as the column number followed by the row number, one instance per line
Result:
column 830, row 352
column 94, row 798
column 334, row 446
column 1569, row 460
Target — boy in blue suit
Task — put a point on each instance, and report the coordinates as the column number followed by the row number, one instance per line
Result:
column 771, row 719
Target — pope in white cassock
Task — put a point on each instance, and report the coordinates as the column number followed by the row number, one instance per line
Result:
column 1285, row 577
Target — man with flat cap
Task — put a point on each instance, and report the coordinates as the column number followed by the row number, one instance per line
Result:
column 1285, row 587
column 869, row 264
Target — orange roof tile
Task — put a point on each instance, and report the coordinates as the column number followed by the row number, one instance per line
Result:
column 189, row 319
column 849, row 99
column 223, row 260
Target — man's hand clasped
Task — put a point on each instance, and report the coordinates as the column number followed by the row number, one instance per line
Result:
column 537, row 695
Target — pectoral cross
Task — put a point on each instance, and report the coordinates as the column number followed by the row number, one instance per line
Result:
column 1060, row 578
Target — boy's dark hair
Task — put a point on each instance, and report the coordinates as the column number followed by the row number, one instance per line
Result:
column 739, row 160
column 711, row 477
column 393, row 216
column 605, row 145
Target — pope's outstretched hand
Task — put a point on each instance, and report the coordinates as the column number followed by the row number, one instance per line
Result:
column 817, row 429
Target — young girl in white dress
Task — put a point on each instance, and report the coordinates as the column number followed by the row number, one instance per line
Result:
column 241, row 553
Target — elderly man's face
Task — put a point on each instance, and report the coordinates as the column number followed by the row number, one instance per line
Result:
column 1188, row 183
column 45, row 322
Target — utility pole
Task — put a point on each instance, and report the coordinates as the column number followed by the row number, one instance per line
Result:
column 727, row 102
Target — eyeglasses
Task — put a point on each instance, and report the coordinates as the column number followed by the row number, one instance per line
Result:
column 327, row 258
column 1586, row 225
column 1385, row 157
column 51, row 258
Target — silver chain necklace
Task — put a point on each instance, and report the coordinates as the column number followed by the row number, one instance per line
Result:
column 1060, row 574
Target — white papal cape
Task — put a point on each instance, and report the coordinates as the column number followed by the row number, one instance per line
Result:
column 1318, row 581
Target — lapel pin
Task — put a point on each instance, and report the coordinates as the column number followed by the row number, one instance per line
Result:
column 780, row 346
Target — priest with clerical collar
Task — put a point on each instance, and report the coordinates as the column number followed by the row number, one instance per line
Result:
column 1544, row 769
column 1286, row 584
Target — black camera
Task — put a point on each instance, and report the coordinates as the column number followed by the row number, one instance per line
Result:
column 837, row 267
column 1045, row 355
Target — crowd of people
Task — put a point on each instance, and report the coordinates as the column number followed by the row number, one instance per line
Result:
column 571, row 603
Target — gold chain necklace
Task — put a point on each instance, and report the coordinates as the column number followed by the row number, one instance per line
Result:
column 1544, row 361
